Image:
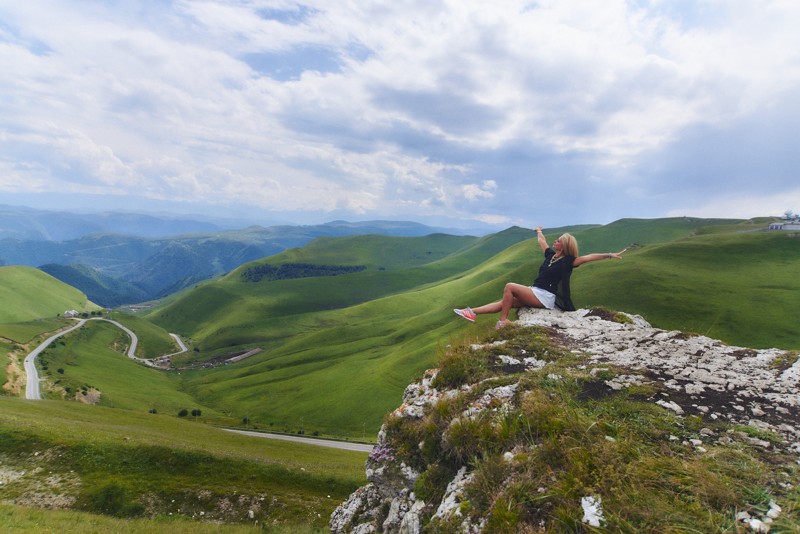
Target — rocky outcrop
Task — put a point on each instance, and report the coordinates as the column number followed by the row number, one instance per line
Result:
column 694, row 376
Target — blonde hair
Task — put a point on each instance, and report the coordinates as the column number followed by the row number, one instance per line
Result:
column 569, row 245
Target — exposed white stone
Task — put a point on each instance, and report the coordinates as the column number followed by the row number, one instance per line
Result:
column 671, row 406
column 453, row 495
column 592, row 511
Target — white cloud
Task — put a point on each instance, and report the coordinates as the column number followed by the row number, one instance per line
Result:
column 736, row 206
column 401, row 109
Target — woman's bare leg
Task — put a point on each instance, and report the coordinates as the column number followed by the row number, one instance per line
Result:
column 514, row 296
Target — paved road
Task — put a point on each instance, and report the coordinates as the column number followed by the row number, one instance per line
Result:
column 346, row 445
column 32, row 387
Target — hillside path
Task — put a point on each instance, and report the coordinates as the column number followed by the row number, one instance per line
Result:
column 32, row 391
column 345, row 445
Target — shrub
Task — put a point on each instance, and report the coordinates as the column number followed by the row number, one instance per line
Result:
column 431, row 485
column 183, row 413
column 111, row 499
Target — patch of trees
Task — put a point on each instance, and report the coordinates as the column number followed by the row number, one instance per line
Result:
column 287, row 271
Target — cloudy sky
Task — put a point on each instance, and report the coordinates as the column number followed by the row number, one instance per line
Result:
column 452, row 112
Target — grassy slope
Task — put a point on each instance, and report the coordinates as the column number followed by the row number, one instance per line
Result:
column 26, row 331
column 27, row 294
column 340, row 350
column 738, row 287
column 174, row 464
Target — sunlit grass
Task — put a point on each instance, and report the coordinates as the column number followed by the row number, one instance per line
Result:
column 125, row 464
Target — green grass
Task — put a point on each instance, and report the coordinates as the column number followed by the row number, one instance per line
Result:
column 28, row 293
column 353, row 342
column 123, row 464
column 338, row 351
column 36, row 520
column 24, row 332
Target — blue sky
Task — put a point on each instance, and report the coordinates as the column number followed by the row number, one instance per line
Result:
column 455, row 113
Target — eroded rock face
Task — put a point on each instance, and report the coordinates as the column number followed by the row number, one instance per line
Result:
column 703, row 376
column 697, row 375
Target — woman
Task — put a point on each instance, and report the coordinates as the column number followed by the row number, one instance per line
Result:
column 551, row 287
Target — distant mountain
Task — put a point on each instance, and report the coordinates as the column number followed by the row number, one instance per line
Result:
column 159, row 266
column 40, row 225
column 98, row 287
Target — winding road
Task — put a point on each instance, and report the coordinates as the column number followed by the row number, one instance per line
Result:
column 32, row 391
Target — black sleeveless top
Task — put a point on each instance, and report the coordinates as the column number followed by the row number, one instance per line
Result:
column 554, row 277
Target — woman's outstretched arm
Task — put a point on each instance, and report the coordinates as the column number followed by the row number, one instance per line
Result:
column 598, row 256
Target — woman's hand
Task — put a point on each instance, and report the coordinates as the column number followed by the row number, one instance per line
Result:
column 617, row 255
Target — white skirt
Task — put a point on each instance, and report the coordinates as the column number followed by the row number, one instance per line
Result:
column 547, row 299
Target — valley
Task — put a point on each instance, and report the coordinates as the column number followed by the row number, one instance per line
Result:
column 331, row 350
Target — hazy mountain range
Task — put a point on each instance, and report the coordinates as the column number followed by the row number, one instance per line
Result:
column 118, row 258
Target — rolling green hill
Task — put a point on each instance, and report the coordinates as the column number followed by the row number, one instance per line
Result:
column 339, row 350
column 28, row 294
column 739, row 287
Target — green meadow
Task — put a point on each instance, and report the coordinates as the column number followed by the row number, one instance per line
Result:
column 179, row 473
column 739, row 287
column 154, row 341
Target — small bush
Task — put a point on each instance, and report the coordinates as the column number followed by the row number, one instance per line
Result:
column 460, row 366
column 431, row 485
column 112, row 499
column 183, row 413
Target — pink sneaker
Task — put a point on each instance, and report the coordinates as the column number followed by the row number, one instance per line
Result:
column 466, row 313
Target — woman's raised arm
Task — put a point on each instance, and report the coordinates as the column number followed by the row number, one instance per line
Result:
column 540, row 238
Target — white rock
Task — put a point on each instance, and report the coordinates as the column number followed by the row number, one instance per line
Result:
column 453, row 495
column 671, row 405
column 592, row 511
